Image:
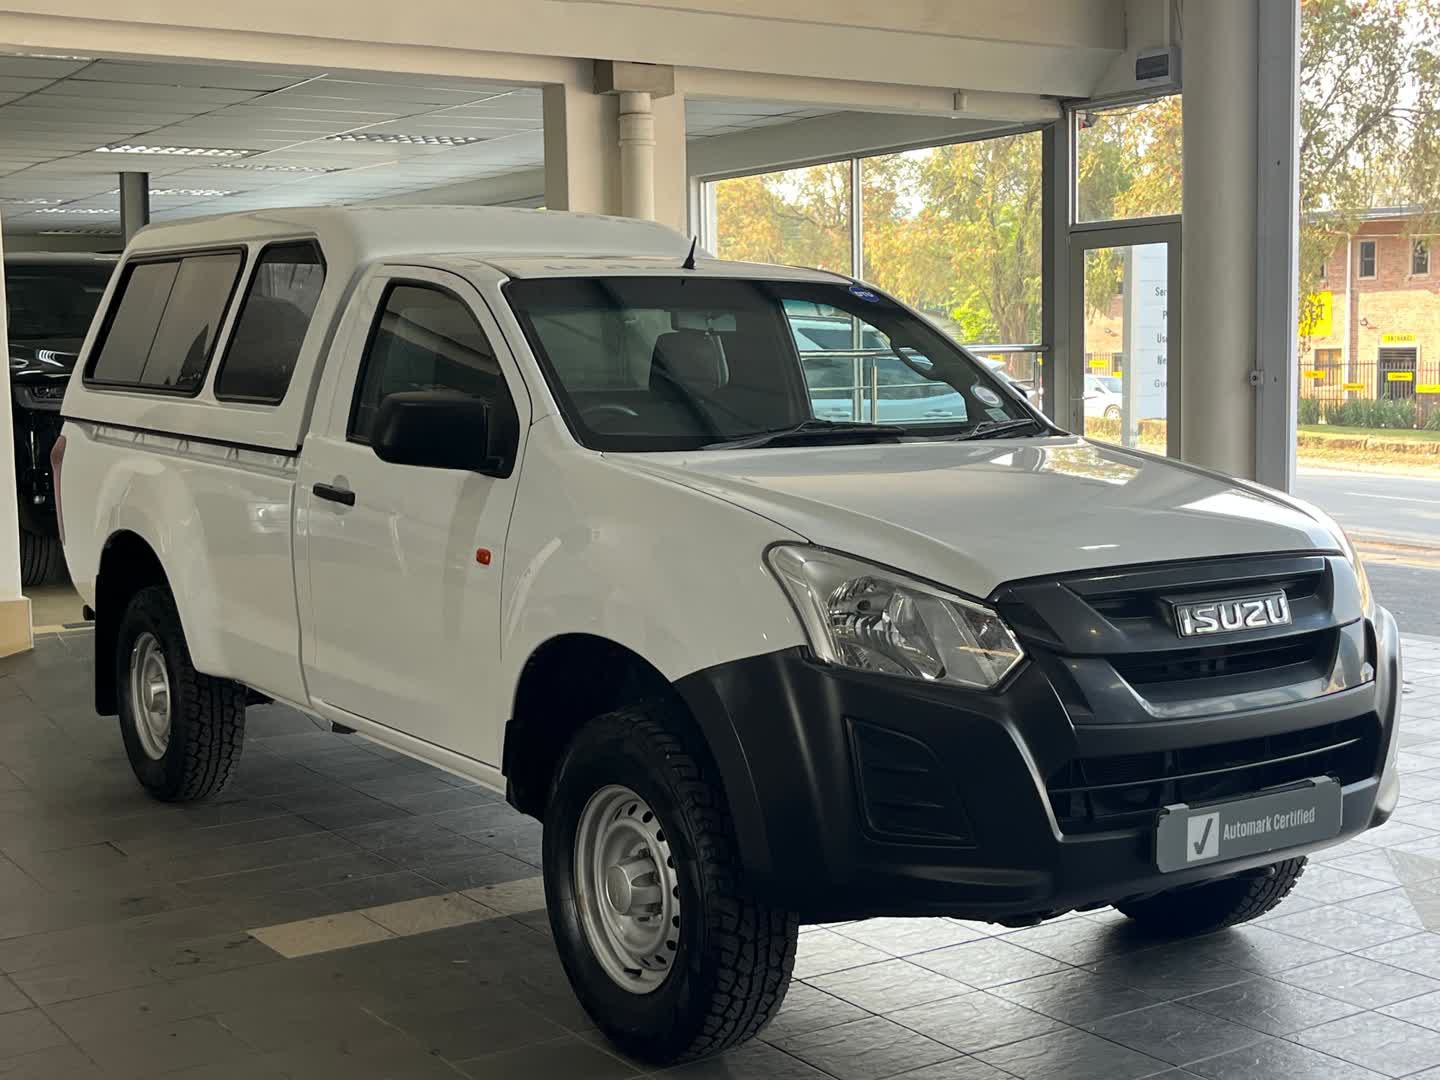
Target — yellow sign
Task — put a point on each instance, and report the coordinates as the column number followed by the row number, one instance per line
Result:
column 1356, row 386
column 1314, row 374
column 1400, row 376
column 1099, row 364
column 1117, row 373
column 1428, row 388
column 1320, row 311
column 1397, row 339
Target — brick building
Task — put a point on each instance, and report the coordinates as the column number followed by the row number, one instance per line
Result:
column 1377, row 329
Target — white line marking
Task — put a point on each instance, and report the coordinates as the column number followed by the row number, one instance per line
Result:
column 1392, row 498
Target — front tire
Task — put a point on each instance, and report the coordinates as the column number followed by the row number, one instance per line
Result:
column 666, row 949
column 1112, row 412
column 1199, row 909
column 183, row 731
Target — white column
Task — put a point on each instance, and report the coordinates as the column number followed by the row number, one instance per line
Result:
column 15, row 635
column 637, row 155
column 672, row 175
column 1219, row 257
column 581, row 156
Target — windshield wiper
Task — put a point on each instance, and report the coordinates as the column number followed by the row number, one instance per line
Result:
column 992, row 429
column 808, row 431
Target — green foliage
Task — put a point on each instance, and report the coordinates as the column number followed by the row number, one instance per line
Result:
column 1433, row 424
column 1309, row 411
column 1369, row 414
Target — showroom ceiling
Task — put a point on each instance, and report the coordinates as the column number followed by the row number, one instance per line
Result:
column 217, row 138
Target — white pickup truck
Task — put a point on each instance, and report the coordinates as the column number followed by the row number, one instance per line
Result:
column 544, row 500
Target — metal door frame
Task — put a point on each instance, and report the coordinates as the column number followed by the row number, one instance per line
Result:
column 1110, row 234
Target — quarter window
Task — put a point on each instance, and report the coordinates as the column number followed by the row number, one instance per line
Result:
column 1420, row 257
column 272, row 324
column 1367, row 258
column 425, row 338
column 164, row 321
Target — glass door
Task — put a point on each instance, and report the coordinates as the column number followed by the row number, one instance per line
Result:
column 1125, row 325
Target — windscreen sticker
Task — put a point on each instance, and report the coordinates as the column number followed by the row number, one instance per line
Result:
column 997, row 414
column 862, row 293
column 985, row 394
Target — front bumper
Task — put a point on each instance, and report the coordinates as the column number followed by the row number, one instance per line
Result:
column 817, row 827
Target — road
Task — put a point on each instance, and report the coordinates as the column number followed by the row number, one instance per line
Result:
column 1395, row 521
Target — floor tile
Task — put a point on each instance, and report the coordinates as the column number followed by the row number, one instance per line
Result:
column 905, row 937
column 974, row 1022
column 1075, row 996
column 988, row 962
column 807, row 1009
column 183, row 1044
column 1174, row 1033
column 823, row 951
column 309, row 936
column 1340, row 928
column 511, row 897
column 56, row 1063
column 428, row 913
column 866, row 1049
column 1275, row 1059
column 1376, row 1042
column 26, row 1031
column 563, row 1059
column 1170, row 975
column 889, row 986
column 1263, row 950
column 1275, row 1008
column 757, row 1061
column 1072, row 1055
column 1359, row 981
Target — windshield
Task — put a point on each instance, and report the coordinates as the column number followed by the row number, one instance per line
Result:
column 673, row 363
column 48, row 301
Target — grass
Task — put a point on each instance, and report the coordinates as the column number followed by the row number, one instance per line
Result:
column 1393, row 434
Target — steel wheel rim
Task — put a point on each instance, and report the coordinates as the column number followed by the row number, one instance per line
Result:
column 627, row 890
column 150, row 695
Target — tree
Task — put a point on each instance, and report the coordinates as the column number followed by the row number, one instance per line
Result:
column 1369, row 119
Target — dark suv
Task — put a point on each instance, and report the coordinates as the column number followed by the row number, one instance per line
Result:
column 51, row 299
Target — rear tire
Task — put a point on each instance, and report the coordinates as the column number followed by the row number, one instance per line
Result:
column 710, row 963
column 183, row 731
column 1199, row 909
column 42, row 559
column 1112, row 412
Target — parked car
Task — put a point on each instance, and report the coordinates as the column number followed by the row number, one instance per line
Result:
column 51, row 299
column 537, row 499
column 1103, row 396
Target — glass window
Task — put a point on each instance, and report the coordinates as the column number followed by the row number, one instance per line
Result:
column 425, row 339
column 670, row 363
column 1420, row 257
column 1128, row 161
column 164, row 323
column 1367, row 258
column 272, row 324
column 955, row 232
column 51, row 301
column 798, row 217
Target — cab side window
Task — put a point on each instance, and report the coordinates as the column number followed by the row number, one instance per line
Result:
column 272, row 324
column 425, row 338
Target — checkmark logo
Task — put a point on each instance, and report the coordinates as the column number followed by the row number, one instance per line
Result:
column 1202, row 834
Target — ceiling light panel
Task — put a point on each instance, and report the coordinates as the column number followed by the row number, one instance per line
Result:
column 397, row 138
column 177, row 151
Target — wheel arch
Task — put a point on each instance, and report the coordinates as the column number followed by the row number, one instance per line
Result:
column 128, row 563
column 573, row 677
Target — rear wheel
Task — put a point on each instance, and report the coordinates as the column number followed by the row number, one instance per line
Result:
column 1198, row 909
column 183, row 730
column 668, row 952
column 42, row 559
column 1112, row 412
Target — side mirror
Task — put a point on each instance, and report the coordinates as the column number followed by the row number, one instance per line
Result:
column 444, row 429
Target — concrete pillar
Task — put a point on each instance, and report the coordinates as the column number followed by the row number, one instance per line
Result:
column 134, row 203
column 1219, row 258
column 15, row 634
column 672, row 174
column 581, row 157
column 637, row 155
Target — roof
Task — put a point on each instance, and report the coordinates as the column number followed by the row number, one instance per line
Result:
column 533, row 266
column 364, row 233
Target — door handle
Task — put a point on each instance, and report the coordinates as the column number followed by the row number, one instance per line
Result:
column 343, row 496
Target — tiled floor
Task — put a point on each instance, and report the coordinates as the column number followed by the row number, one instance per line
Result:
column 345, row 912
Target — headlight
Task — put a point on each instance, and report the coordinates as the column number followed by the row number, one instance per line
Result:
column 862, row 616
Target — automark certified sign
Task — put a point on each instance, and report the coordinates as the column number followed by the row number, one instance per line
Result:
column 1227, row 616
column 1186, row 836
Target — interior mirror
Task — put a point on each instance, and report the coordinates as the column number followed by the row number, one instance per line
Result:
column 442, row 429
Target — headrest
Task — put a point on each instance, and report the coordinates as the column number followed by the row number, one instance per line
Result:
column 692, row 359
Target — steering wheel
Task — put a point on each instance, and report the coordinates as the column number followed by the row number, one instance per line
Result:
column 610, row 409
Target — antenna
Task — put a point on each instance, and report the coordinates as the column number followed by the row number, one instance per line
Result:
column 689, row 263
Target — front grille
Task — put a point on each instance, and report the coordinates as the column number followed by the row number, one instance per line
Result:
column 1153, row 603
column 1125, row 791
column 1294, row 657
column 904, row 791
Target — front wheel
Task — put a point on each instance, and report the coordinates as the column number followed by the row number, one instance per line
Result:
column 1199, row 909
column 1112, row 412
column 183, row 730
column 666, row 949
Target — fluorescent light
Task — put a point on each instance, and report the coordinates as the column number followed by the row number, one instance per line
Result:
column 102, row 231
column 30, row 202
column 182, row 151
column 259, row 167
column 198, row 192
column 75, row 210
column 406, row 140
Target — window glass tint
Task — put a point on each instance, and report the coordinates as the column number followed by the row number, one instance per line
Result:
column 53, row 302
column 143, row 296
column 165, row 324
column 425, row 339
column 272, row 324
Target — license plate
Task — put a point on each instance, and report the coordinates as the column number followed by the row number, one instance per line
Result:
column 1194, row 835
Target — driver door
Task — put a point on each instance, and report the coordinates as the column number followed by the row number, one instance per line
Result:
column 405, row 562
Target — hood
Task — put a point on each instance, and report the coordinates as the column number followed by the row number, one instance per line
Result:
column 976, row 515
column 44, row 359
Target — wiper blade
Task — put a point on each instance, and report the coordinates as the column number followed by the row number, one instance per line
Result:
column 808, row 430
column 992, row 429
